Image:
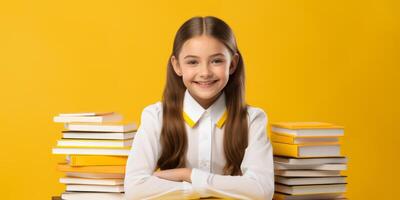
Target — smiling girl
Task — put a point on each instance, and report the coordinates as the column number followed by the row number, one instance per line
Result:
column 202, row 139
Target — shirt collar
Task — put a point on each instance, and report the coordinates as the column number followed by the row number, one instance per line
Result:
column 193, row 111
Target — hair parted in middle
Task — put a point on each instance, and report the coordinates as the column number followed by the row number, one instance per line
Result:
column 173, row 133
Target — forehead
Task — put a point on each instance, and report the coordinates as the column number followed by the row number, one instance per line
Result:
column 203, row 46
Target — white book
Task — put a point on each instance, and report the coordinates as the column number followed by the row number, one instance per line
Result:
column 330, row 196
column 94, row 143
column 310, row 189
column 319, row 151
column 95, row 175
column 90, row 181
column 310, row 180
column 92, row 151
column 307, row 173
column 309, row 132
column 310, row 161
column 92, row 196
column 87, row 135
column 84, row 114
column 283, row 166
column 95, row 188
column 101, row 127
column 306, row 140
column 102, row 118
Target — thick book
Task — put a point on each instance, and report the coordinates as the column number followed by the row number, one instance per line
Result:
column 63, row 167
column 95, row 175
column 92, row 160
column 283, row 166
column 307, row 129
column 310, row 189
column 290, row 139
column 310, row 180
column 322, row 196
column 101, row 127
column 301, row 150
column 94, row 143
column 98, row 135
column 92, row 196
column 113, row 151
column 90, row 181
column 310, row 161
column 307, row 173
column 83, row 114
column 114, row 117
column 95, row 188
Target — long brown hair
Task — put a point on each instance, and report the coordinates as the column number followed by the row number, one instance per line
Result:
column 173, row 134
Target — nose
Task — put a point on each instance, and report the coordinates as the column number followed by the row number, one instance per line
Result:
column 205, row 71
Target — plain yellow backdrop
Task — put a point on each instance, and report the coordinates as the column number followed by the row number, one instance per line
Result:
column 333, row 61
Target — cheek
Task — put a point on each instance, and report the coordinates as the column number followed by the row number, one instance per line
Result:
column 222, row 73
column 187, row 77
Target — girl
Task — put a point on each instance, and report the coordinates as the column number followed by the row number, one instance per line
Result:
column 202, row 140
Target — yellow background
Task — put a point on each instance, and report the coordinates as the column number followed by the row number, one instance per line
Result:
column 334, row 61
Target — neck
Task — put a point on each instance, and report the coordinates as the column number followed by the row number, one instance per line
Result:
column 206, row 103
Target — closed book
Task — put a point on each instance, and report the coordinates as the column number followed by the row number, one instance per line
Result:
column 310, row 161
column 309, row 180
column 95, row 175
column 87, row 114
column 114, row 117
column 283, row 166
column 307, row 129
column 92, row 135
column 307, row 173
column 101, row 127
column 290, row 139
column 92, row 169
column 92, row 196
column 300, row 150
column 310, row 189
column 92, row 160
column 90, row 181
column 94, row 143
column 113, row 151
column 95, row 188
column 322, row 196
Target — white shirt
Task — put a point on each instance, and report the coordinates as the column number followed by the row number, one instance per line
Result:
column 205, row 155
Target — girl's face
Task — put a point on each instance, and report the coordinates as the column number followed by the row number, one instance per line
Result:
column 204, row 64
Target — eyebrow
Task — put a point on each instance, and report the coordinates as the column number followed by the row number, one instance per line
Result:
column 214, row 55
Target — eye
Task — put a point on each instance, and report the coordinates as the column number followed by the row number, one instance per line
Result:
column 217, row 61
column 191, row 62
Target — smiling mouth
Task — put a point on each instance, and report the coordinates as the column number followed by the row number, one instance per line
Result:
column 205, row 83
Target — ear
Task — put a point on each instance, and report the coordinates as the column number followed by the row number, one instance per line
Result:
column 234, row 63
column 176, row 66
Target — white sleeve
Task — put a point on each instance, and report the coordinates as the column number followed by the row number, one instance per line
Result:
column 142, row 162
column 257, row 181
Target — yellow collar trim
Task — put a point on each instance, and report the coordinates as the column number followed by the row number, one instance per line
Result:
column 222, row 120
column 191, row 123
column 187, row 119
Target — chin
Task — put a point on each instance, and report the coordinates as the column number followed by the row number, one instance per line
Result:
column 206, row 94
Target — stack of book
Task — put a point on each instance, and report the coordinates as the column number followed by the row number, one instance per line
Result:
column 307, row 160
column 96, row 146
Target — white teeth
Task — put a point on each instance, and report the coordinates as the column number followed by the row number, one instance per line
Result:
column 205, row 83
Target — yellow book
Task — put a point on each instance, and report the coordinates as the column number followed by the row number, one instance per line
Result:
column 305, row 151
column 305, row 125
column 63, row 167
column 314, row 129
column 291, row 139
column 89, row 160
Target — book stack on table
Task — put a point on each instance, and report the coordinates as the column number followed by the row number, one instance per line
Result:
column 308, row 161
column 96, row 146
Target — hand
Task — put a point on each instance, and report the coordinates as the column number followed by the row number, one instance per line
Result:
column 179, row 174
